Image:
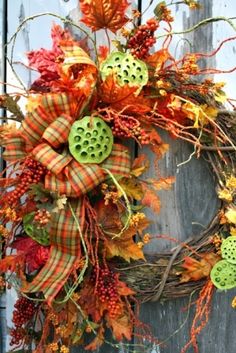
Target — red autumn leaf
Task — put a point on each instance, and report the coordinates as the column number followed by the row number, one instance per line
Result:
column 98, row 14
column 151, row 199
column 45, row 61
column 34, row 254
column 103, row 52
column 194, row 270
column 123, row 97
column 121, row 327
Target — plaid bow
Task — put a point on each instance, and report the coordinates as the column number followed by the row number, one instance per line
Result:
column 44, row 133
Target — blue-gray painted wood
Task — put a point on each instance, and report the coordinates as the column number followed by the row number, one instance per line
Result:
column 2, row 78
column 188, row 209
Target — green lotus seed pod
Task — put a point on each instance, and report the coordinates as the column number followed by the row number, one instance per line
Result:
column 228, row 249
column 223, row 275
column 90, row 140
column 127, row 69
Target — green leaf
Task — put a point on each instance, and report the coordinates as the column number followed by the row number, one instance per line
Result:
column 136, row 207
column 41, row 235
column 40, row 194
column 158, row 11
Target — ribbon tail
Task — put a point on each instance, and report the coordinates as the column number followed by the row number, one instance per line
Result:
column 65, row 252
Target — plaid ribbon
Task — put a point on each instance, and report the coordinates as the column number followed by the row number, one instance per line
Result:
column 44, row 133
column 65, row 251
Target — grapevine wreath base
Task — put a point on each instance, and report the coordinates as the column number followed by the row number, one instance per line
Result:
column 73, row 202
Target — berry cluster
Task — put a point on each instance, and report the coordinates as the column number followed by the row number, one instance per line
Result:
column 2, row 283
column 32, row 173
column 130, row 128
column 17, row 336
column 143, row 39
column 42, row 217
column 24, row 311
column 106, row 289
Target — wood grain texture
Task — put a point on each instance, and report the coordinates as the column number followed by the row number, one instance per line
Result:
column 187, row 209
column 2, row 77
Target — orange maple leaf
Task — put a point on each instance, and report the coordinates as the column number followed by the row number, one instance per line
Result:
column 162, row 183
column 121, row 326
column 125, row 246
column 109, row 218
column 150, row 199
column 194, row 270
column 157, row 145
column 140, row 165
column 123, row 290
column 123, row 97
column 158, row 59
column 98, row 14
column 12, row 263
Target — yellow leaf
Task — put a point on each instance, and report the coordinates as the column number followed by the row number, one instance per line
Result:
column 225, row 194
column 231, row 182
column 220, row 96
column 233, row 231
column 230, row 214
column 199, row 114
column 132, row 188
column 33, row 102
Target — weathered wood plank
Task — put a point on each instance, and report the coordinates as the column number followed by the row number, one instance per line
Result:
column 187, row 209
column 2, row 78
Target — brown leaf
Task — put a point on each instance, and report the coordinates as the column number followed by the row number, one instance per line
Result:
column 97, row 342
column 194, row 270
column 98, row 14
column 108, row 216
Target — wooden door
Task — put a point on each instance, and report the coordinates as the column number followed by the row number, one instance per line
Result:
column 192, row 203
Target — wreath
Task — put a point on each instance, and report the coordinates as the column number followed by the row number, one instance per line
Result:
column 73, row 200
